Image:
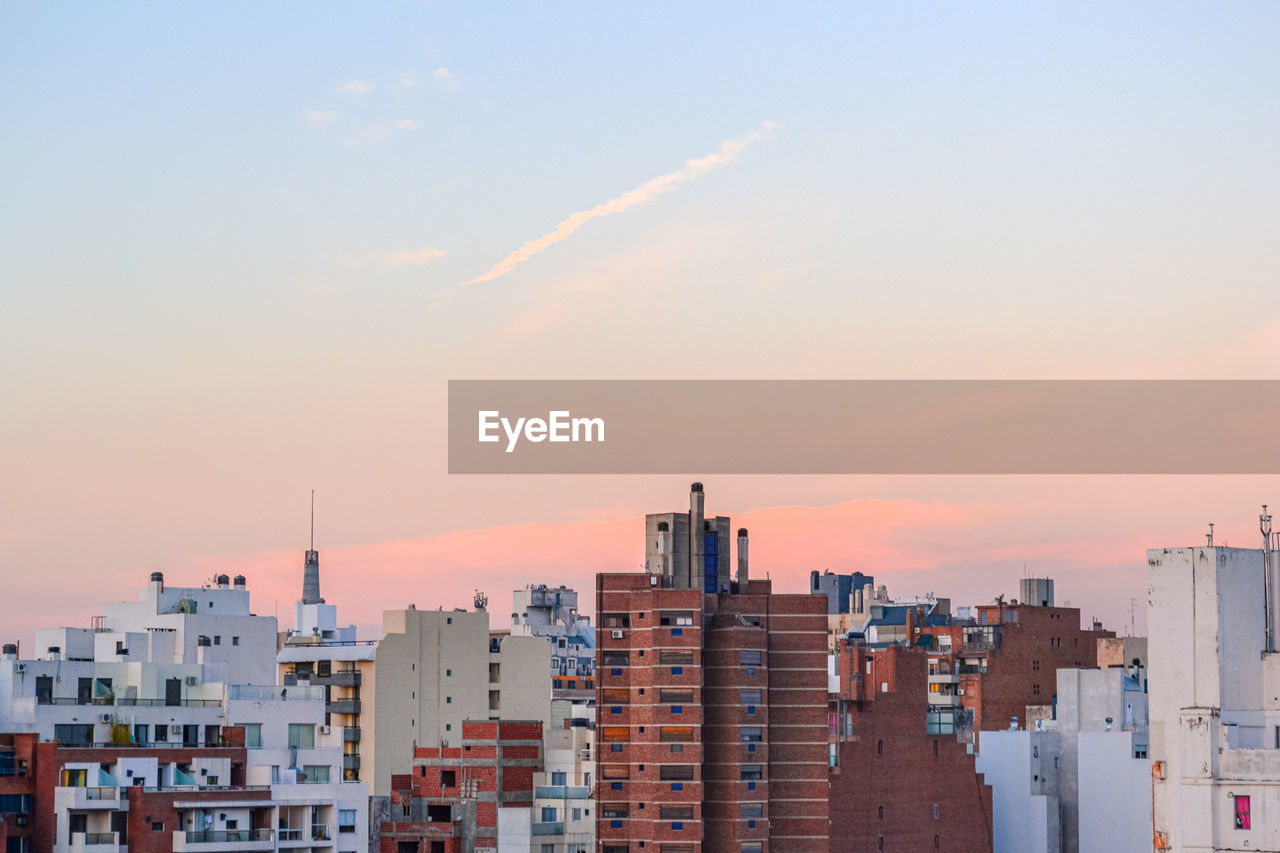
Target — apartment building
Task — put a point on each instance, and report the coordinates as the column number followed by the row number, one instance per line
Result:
column 319, row 653
column 1079, row 782
column 897, row 783
column 711, row 729
column 552, row 612
column 17, row 792
column 1213, row 622
column 456, row 798
column 433, row 669
column 1000, row 665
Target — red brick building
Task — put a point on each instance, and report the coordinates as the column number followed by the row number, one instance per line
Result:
column 1007, row 658
column 895, row 786
column 17, row 792
column 450, row 801
column 711, row 730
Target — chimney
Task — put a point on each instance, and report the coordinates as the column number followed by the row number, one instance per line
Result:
column 911, row 626
column 697, row 538
column 664, row 549
column 742, row 559
column 239, row 582
column 157, row 583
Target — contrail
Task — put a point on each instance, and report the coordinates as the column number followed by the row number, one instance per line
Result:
column 643, row 194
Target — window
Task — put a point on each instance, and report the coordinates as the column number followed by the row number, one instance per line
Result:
column 616, row 658
column 675, row 812
column 676, row 734
column 879, row 747
column 616, row 810
column 675, row 617
column 675, row 697
column 676, row 772
column 936, row 811
column 750, row 697
column 752, row 734
column 676, row 658
column 15, row 804
column 752, row 810
column 235, row 641
column 548, row 814
column 448, row 700
column 613, row 734
column 616, row 771
column 749, row 658
column 616, row 696
column 315, row 773
column 302, row 735
column 141, row 733
column 346, row 820
column 559, row 778
column 752, row 772
column 448, row 778
column 217, row 639
column 211, row 781
column 1242, row 813
column 752, row 847
column 253, row 735
column 1139, row 750
column 617, row 620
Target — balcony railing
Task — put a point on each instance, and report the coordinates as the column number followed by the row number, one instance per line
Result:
column 129, row 701
column 562, row 792
column 344, row 706
column 549, row 828
column 88, row 838
column 351, row 734
column 222, row 836
column 102, row 793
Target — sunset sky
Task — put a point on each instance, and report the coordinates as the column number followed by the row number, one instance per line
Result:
column 244, row 246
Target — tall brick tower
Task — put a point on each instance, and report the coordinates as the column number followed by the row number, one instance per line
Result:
column 711, row 698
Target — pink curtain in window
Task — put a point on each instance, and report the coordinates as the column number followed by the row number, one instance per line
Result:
column 1242, row 813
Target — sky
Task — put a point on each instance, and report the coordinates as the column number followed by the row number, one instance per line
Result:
column 244, row 246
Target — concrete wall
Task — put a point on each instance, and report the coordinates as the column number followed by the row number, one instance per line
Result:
column 1114, row 793
column 1024, row 795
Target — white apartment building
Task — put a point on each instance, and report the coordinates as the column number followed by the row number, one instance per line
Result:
column 538, row 610
column 435, row 668
column 1215, row 697
column 1079, row 783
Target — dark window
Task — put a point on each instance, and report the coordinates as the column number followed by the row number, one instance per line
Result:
column 675, row 813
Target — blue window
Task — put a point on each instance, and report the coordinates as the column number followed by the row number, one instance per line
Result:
column 751, row 747
column 615, row 672
column 751, row 824
column 617, row 786
column 677, row 670
column 548, row 814
column 615, row 747
column 677, row 786
column 678, row 825
column 677, row 709
column 615, row 824
column 751, row 670
column 751, row 786
column 616, row 709
column 751, row 709
column 559, row 779
column 677, row 632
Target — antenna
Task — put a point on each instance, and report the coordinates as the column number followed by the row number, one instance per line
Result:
column 313, row 519
column 1209, row 536
column 1133, row 608
column 1268, row 584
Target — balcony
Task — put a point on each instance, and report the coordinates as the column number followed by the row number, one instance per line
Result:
column 351, row 734
column 944, row 678
column 562, row 792
column 351, row 761
column 344, row 706
column 549, row 828
column 345, row 678
column 223, row 840
column 100, row 798
column 944, row 700
column 95, row 842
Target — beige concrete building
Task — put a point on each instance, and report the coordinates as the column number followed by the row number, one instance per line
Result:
column 435, row 668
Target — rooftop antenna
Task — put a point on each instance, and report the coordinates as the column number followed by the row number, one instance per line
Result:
column 1133, row 608
column 313, row 519
column 1209, row 536
column 1264, row 524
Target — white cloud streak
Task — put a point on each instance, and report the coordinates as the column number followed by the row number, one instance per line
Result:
column 320, row 117
column 425, row 255
column 355, row 88
column 728, row 151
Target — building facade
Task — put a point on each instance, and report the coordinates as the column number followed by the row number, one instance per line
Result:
column 711, row 729
column 552, row 612
column 895, row 784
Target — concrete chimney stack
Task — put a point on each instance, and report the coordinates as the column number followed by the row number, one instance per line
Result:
column 743, row 575
column 697, row 537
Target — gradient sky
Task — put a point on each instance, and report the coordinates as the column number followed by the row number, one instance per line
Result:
column 243, row 247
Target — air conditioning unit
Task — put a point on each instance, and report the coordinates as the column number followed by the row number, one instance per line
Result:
column 324, row 730
column 617, row 635
column 22, row 820
column 175, row 729
column 192, row 680
column 22, row 667
column 106, row 718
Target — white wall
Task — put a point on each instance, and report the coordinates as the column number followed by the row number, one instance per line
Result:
column 1024, row 800
column 1114, row 793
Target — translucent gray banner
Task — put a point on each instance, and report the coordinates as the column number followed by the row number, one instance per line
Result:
column 863, row 427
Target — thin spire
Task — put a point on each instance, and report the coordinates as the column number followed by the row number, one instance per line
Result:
column 313, row 519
